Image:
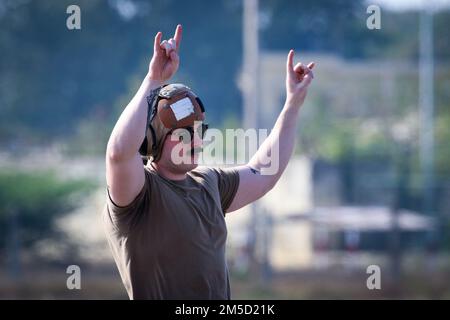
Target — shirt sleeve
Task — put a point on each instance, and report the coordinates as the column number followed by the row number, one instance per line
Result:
column 120, row 215
column 228, row 183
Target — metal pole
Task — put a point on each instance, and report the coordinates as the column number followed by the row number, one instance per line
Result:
column 426, row 86
column 250, row 68
column 250, row 99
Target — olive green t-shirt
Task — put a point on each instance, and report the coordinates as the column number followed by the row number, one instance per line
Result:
column 169, row 243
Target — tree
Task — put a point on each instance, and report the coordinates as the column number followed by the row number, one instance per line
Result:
column 29, row 205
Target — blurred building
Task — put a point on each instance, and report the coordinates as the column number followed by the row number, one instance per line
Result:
column 308, row 215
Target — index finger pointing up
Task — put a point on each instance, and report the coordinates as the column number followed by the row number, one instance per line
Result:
column 177, row 36
column 290, row 62
column 157, row 41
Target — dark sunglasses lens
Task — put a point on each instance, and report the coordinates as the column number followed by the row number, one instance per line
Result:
column 192, row 132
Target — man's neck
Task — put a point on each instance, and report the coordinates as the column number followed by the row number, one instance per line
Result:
column 167, row 173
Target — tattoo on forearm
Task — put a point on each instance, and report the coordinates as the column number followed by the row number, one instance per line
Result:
column 254, row 171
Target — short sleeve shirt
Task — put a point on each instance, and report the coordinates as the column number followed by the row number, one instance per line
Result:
column 169, row 243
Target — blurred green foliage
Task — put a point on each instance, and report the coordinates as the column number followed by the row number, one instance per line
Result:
column 37, row 199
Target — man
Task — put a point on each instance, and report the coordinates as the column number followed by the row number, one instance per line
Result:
column 165, row 220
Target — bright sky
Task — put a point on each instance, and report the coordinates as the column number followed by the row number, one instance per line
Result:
column 401, row 5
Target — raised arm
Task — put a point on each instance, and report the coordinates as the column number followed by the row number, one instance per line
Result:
column 125, row 174
column 266, row 166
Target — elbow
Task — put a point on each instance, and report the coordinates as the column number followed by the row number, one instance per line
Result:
column 269, row 185
column 120, row 151
column 114, row 153
column 261, row 192
column 113, row 157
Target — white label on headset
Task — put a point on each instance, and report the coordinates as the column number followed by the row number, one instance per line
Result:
column 182, row 108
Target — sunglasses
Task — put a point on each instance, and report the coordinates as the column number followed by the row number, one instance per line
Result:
column 200, row 133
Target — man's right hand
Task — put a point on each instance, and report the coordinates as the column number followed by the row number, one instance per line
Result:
column 165, row 60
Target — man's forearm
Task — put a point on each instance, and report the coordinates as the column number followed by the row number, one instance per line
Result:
column 272, row 157
column 280, row 143
column 283, row 134
column 129, row 131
